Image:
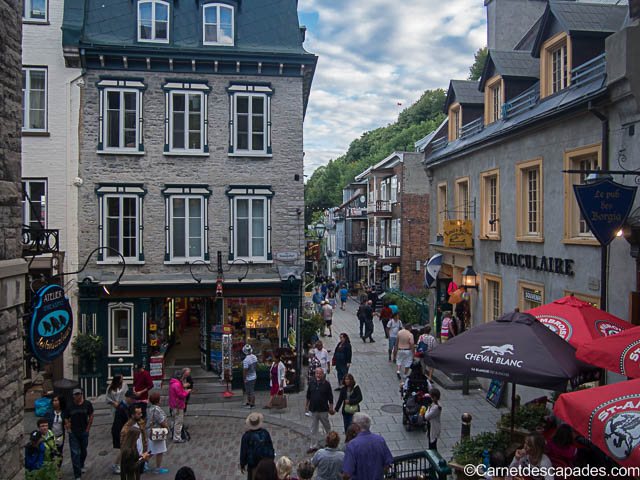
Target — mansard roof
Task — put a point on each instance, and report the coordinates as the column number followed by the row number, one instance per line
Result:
column 464, row 92
column 514, row 63
column 578, row 17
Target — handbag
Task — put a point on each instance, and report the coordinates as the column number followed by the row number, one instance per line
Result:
column 279, row 401
column 159, row 433
column 351, row 409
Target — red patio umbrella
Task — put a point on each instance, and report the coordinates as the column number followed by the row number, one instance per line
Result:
column 607, row 416
column 578, row 322
column 618, row 353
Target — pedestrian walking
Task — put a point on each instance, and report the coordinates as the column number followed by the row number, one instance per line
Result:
column 328, row 461
column 385, row 315
column 132, row 460
column 331, row 298
column 361, row 316
column 373, row 296
column 115, row 393
column 323, row 357
column 369, row 313
column 177, row 394
column 394, row 325
column 426, row 344
column 56, row 424
column 120, row 418
column 78, row 418
column 284, row 466
column 324, row 289
column 327, row 316
column 49, row 442
column 367, row 456
column 255, row 445
column 305, row 470
column 404, row 351
column 344, row 294
column 157, row 418
column 432, row 416
column 249, row 375
column 349, row 399
column 34, row 452
column 320, row 404
column 142, row 384
column 317, row 299
column 314, row 364
column 446, row 327
column 276, row 378
column 342, row 357
column 136, row 422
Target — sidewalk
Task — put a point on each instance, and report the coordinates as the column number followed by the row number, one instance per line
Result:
column 216, row 428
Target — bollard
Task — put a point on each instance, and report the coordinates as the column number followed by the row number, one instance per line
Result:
column 465, row 432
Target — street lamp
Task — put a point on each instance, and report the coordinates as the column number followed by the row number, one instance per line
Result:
column 469, row 278
column 319, row 228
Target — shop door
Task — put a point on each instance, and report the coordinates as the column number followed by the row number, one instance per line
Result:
column 442, row 301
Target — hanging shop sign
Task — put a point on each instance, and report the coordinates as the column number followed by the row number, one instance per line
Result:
column 562, row 266
column 458, row 234
column 387, row 268
column 287, row 256
column 357, row 212
column 51, row 323
column 363, row 262
column 605, row 205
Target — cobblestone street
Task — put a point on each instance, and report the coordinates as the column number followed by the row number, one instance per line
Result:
column 216, row 428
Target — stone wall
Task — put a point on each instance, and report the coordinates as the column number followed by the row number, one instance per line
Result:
column 12, row 268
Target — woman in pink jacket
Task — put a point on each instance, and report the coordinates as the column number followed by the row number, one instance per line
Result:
column 177, row 394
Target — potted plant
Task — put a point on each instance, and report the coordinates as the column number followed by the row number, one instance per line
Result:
column 87, row 347
column 469, row 450
column 528, row 418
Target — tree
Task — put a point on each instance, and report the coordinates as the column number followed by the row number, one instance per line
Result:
column 480, row 57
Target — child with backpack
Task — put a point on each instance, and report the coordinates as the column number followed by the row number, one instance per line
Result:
column 256, row 444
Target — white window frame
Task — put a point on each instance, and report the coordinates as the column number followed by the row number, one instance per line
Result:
column 394, row 189
column 106, row 85
column 26, row 98
column 113, row 307
column 218, row 7
column 523, row 201
column 264, row 192
column 114, row 190
column 203, row 207
column 28, row 8
column 250, row 90
column 251, row 256
column 105, row 229
column 186, row 93
column 153, row 38
column 383, row 190
column 26, row 206
column 394, row 232
column 121, row 148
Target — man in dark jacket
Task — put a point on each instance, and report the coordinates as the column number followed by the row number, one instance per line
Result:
column 320, row 404
column 78, row 418
column 120, row 418
column 34, row 452
column 256, row 444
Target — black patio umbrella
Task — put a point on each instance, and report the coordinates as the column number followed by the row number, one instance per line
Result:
column 515, row 348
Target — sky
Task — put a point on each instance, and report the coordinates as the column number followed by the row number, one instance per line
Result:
column 374, row 54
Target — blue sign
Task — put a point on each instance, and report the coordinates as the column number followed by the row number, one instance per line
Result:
column 605, row 205
column 51, row 323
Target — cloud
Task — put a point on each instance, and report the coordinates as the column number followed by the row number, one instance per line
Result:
column 374, row 54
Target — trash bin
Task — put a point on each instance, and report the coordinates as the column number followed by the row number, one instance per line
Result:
column 64, row 388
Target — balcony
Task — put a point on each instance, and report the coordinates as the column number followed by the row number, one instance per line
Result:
column 439, row 144
column 472, row 128
column 38, row 241
column 386, row 251
column 380, row 207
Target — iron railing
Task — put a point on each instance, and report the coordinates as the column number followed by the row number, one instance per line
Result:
column 472, row 127
column 522, row 102
column 37, row 241
column 421, row 465
column 594, row 68
column 387, row 251
column 439, row 144
column 380, row 206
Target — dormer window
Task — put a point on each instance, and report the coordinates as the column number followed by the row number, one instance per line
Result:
column 153, row 21
column 555, row 64
column 493, row 99
column 455, row 121
column 217, row 24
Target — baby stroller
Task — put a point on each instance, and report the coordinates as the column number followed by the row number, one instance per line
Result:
column 415, row 400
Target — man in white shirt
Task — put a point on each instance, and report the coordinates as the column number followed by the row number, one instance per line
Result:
column 249, row 375
column 323, row 357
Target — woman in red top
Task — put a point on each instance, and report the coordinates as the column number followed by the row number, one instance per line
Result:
column 385, row 315
column 142, row 383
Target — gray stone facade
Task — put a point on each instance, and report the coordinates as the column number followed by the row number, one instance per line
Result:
column 12, row 267
column 218, row 170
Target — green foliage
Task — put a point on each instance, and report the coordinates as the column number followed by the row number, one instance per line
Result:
column 480, row 58
column 528, row 417
column 410, row 311
column 469, row 450
column 87, row 346
column 311, row 326
column 49, row 471
column 324, row 187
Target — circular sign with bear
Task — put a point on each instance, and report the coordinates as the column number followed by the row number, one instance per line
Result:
column 51, row 323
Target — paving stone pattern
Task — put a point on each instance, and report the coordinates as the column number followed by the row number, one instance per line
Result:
column 216, row 428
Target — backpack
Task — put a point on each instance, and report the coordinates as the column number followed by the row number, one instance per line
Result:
column 259, row 447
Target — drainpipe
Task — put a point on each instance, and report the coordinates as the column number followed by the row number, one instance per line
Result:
column 605, row 167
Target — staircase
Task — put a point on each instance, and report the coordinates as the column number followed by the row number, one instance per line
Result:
column 208, row 387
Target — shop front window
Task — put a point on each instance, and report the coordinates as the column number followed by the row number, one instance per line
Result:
column 255, row 321
column 120, row 332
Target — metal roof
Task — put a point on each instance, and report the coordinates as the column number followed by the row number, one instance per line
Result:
column 464, row 92
column 514, row 63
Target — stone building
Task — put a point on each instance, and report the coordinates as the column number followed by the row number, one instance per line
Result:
column 191, row 157
column 12, row 267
